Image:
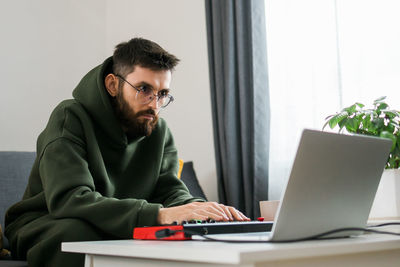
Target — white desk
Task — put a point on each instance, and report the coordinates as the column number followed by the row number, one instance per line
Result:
column 366, row 250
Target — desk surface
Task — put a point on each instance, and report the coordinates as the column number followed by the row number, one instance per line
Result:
column 233, row 253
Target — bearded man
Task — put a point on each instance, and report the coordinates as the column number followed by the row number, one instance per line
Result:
column 106, row 163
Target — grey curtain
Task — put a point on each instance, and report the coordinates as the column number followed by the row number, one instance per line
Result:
column 240, row 101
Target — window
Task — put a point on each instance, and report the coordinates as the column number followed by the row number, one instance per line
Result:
column 323, row 56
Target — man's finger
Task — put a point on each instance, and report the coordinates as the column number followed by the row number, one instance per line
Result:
column 217, row 206
column 205, row 214
column 218, row 209
column 238, row 215
column 227, row 212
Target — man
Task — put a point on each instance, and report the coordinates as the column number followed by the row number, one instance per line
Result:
column 106, row 162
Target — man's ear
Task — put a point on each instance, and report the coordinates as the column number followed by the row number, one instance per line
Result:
column 111, row 83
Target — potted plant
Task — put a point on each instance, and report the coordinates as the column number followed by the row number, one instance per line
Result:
column 384, row 122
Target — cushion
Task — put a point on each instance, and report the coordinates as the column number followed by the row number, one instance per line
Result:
column 180, row 168
column 188, row 176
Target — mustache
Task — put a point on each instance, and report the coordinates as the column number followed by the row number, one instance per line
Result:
column 146, row 112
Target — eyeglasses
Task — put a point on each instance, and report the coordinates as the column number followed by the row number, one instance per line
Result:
column 145, row 94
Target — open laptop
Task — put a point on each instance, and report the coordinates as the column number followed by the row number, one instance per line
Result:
column 332, row 185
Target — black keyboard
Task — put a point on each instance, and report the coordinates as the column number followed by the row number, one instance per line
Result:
column 210, row 228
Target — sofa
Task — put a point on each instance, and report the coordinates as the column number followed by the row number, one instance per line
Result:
column 14, row 173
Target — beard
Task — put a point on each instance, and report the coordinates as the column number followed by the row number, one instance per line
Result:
column 133, row 126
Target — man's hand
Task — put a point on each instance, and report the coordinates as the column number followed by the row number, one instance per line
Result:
column 200, row 211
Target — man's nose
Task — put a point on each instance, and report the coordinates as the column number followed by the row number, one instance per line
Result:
column 154, row 103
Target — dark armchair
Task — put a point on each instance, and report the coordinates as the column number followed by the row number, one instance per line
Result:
column 14, row 173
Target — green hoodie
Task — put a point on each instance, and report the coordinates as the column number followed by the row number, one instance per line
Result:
column 87, row 169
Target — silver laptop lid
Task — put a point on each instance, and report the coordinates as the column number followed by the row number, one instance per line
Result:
column 332, row 184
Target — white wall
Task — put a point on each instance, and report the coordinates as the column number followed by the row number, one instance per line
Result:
column 45, row 49
column 47, row 46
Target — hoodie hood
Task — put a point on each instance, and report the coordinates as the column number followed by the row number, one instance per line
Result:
column 93, row 96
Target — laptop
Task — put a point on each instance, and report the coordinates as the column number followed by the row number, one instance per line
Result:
column 332, row 184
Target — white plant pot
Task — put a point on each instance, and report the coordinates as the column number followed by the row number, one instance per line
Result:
column 387, row 200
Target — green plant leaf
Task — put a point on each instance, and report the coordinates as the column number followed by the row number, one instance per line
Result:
column 378, row 123
column 350, row 110
column 398, row 143
column 380, row 99
column 394, row 160
column 332, row 123
column 391, row 163
column 342, row 123
column 394, row 125
column 390, row 128
column 390, row 114
column 360, row 105
column 337, row 119
column 379, row 120
column 367, row 125
column 382, row 106
column 352, row 125
column 392, row 137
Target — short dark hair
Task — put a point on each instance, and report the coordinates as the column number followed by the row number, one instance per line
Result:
column 143, row 53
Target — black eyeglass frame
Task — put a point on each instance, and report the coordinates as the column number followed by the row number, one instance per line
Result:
column 170, row 97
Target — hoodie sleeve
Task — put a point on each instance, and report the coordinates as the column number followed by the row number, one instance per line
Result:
column 70, row 192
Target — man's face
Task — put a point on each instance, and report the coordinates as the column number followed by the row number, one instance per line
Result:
column 139, row 119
